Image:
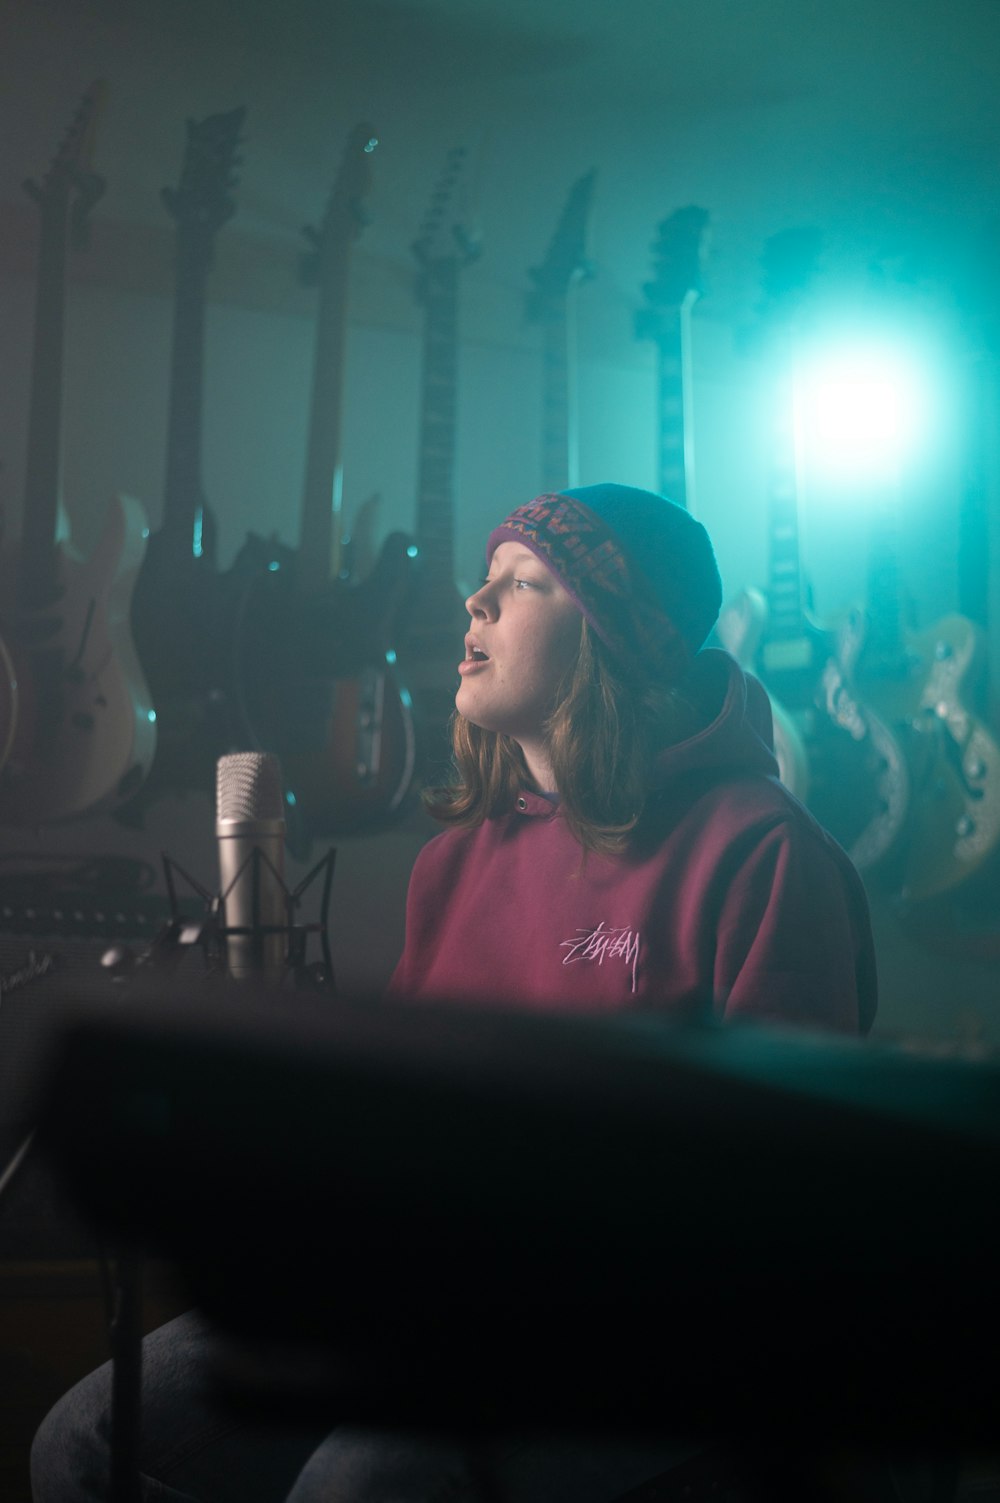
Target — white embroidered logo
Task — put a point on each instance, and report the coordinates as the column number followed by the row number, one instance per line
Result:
column 602, row 944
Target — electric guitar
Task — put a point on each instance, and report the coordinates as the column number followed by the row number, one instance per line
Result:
column 182, row 611
column 678, row 256
column 432, row 645
column 551, row 304
column 678, row 259
column 85, row 731
column 839, row 755
column 921, row 683
column 316, row 655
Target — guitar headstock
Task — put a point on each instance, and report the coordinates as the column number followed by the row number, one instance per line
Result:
column 346, row 214
column 70, row 176
column 203, row 200
column 566, row 261
column 678, row 266
column 446, row 239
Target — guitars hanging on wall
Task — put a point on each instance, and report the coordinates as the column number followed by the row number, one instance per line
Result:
column 676, row 285
column 182, row 609
column 315, row 658
column 836, row 752
column 432, row 645
column 947, row 672
column 85, row 731
column 551, row 303
column 922, row 683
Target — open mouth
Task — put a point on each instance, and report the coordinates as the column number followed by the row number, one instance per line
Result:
column 473, row 652
column 474, row 658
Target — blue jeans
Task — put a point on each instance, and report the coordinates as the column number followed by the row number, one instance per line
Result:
column 194, row 1449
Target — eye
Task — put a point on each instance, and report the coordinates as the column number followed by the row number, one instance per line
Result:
column 523, row 584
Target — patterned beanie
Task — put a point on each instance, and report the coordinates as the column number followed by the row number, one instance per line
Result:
column 640, row 568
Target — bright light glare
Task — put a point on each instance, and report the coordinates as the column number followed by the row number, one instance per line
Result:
column 862, row 411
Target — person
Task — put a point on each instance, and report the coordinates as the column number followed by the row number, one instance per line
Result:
column 616, row 838
column 618, row 834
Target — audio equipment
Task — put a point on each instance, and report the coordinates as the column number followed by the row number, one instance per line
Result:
column 250, row 826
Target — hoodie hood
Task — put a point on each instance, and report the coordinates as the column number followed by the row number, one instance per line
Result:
column 737, row 735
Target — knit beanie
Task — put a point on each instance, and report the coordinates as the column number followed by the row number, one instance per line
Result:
column 640, row 568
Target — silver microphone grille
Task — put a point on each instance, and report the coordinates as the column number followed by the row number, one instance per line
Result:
column 248, row 786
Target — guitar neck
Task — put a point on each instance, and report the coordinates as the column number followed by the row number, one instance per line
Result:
column 675, row 461
column 183, row 523
column 435, row 492
column 560, row 427
column 37, row 572
column 320, row 533
column 786, row 618
column 552, row 302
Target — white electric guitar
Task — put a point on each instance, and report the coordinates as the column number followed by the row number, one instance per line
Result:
column 85, row 731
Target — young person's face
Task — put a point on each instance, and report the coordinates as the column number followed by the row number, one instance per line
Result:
column 524, row 635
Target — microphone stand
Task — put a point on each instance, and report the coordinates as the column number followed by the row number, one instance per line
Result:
column 126, row 1295
column 213, row 931
column 126, row 1378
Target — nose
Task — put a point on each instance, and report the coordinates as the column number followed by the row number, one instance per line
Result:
column 481, row 604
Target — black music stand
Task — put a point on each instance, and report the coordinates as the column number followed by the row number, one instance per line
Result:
column 126, row 1378
column 768, row 1210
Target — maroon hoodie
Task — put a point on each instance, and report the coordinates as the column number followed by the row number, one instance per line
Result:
column 732, row 901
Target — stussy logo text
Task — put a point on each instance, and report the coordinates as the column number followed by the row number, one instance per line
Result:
column 603, row 944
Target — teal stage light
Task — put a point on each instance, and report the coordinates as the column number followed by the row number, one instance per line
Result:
column 863, row 410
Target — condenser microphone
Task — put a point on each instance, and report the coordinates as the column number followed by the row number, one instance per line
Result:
column 250, row 826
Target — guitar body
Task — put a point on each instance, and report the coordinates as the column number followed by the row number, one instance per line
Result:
column 740, row 630
column 85, row 734
column 953, row 822
column 182, row 614
column 860, row 784
column 85, row 731
column 320, row 689
column 182, row 611
column 834, row 753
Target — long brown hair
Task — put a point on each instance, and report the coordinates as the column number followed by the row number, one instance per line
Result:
column 601, row 740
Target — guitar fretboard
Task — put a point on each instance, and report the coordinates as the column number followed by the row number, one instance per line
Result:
column 559, row 460
column 785, row 613
column 435, row 484
column 183, row 500
column 37, row 583
column 672, row 470
column 319, row 546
